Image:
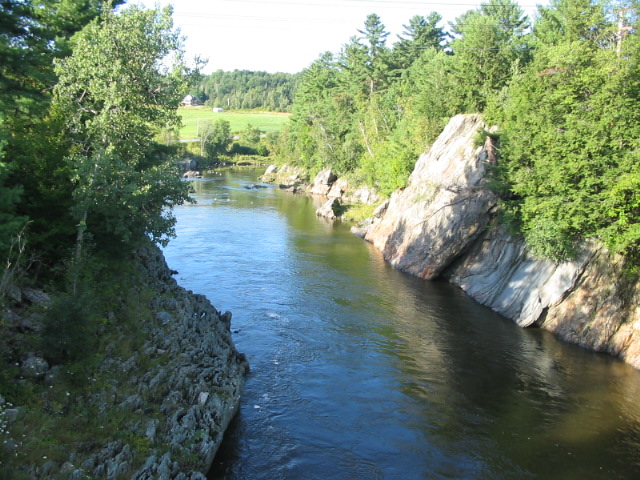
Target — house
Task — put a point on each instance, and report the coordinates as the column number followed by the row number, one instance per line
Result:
column 190, row 100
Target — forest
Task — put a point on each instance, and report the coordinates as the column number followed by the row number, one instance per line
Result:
column 563, row 89
column 244, row 89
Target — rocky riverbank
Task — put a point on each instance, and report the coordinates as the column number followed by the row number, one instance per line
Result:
column 443, row 224
column 156, row 410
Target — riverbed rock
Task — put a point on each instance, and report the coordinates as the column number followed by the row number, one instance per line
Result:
column 322, row 182
column 499, row 272
column 325, row 183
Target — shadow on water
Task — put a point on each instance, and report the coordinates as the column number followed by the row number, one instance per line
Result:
column 360, row 371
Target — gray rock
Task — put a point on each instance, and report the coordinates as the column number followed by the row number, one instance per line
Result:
column 330, row 209
column 14, row 293
column 443, row 209
column 36, row 297
column 323, row 181
column 151, row 429
column 34, row 367
column 12, row 414
column 132, row 402
column 164, row 318
column 52, row 375
column 500, row 273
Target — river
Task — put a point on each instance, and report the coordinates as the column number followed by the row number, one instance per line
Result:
column 361, row 372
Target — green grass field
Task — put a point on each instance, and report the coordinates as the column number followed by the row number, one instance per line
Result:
column 195, row 117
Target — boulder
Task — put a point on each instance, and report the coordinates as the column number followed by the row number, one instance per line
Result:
column 500, row 273
column 36, row 297
column 322, row 182
column 330, row 209
column 34, row 367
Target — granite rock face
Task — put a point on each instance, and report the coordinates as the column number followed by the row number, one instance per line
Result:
column 444, row 208
column 443, row 224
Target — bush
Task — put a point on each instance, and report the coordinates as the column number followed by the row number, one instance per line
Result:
column 69, row 333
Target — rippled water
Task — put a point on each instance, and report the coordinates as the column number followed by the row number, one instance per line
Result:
column 362, row 372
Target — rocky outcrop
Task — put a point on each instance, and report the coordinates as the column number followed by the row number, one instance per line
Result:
column 288, row 177
column 331, row 209
column 443, row 224
column 325, row 183
column 172, row 396
column 444, row 207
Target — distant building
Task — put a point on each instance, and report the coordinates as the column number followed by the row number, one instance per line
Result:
column 218, row 110
column 190, row 101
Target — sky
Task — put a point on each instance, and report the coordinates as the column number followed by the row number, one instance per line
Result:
column 288, row 35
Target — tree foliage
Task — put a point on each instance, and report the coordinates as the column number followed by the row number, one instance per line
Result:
column 570, row 138
column 216, row 139
column 114, row 93
column 563, row 90
column 32, row 38
column 83, row 93
column 244, row 89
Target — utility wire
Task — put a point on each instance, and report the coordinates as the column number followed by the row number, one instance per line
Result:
column 386, row 3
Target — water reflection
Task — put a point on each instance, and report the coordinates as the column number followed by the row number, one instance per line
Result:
column 360, row 371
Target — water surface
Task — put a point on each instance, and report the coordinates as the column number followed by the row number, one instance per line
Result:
column 361, row 372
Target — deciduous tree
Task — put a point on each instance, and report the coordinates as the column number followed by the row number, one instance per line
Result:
column 115, row 92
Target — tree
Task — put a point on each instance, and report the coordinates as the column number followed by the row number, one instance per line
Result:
column 421, row 34
column 572, row 20
column 114, row 93
column 377, row 63
column 10, row 223
column 569, row 141
column 33, row 36
column 490, row 50
column 251, row 135
column 216, row 138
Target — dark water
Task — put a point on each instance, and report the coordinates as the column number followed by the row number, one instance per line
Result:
column 361, row 372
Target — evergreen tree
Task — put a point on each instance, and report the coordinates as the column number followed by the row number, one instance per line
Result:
column 421, row 34
column 490, row 49
column 569, row 165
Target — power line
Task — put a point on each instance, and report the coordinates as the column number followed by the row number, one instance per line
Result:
column 387, row 3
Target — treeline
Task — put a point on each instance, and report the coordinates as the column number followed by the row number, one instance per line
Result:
column 244, row 89
column 563, row 90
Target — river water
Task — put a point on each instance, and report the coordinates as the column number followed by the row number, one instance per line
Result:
column 361, row 372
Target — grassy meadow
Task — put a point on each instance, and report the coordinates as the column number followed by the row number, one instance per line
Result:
column 193, row 117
